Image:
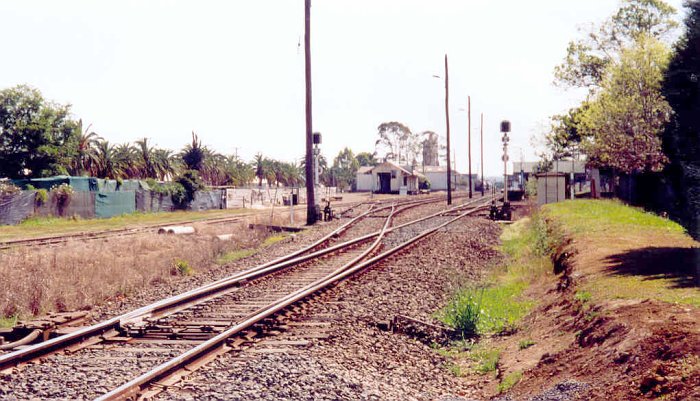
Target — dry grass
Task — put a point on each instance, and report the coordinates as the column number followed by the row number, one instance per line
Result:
column 77, row 274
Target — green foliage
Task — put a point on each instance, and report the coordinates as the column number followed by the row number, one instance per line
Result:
column 344, row 168
column 564, row 138
column 230, row 257
column 366, row 159
column 181, row 268
column 41, row 197
column 524, row 344
column 626, row 119
column 398, row 142
column 463, row 311
column 486, row 359
column 598, row 222
column 8, row 321
column 587, row 59
column 583, row 296
column 273, row 240
column 531, row 188
column 62, row 193
column 183, row 194
column 454, row 369
column 38, row 137
column 193, row 154
column 599, row 216
column 681, row 140
column 509, row 381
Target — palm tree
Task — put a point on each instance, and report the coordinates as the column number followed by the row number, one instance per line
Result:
column 260, row 166
column 86, row 157
column 126, row 159
column 107, row 164
column 145, row 159
column 165, row 163
column 193, row 154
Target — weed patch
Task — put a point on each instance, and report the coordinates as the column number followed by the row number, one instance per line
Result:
column 524, row 344
column 181, row 268
column 232, row 256
column 509, row 381
column 273, row 240
column 486, row 360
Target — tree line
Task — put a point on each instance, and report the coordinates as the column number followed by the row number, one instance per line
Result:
column 39, row 138
column 641, row 116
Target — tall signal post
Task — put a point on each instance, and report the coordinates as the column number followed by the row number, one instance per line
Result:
column 311, row 216
column 505, row 129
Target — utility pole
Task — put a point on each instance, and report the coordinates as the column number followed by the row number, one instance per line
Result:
column 447, row 123
column 310, row 184
column 469, row 141
column 481, row 142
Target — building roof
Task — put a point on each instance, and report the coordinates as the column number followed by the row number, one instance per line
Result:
column 562, row 166
column 405, row 170
column 365, row 170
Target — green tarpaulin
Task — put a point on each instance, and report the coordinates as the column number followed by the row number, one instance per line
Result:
column 108, row 204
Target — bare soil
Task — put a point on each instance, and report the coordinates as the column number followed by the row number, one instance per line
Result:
column 622, row 349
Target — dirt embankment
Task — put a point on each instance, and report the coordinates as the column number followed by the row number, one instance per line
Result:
column 620, row 318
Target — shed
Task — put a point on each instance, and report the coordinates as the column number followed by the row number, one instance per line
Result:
column 551, row 187
column 389, row 177
column 363, row 179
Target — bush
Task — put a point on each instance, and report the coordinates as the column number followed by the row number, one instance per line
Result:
column 181, row 268
column 531, row 188
column 41, row 196
column 189, row 183
column 463, row 312
column 62, row 193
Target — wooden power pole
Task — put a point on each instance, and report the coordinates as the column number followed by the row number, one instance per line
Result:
column 447, row 123
column 469, row 141
column 310, row 184
column 481, row 142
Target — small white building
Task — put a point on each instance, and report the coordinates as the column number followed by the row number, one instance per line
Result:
column 388, row 177
column 363, row 179
column 437, row 176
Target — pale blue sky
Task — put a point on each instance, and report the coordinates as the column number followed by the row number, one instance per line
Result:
column 233, row 71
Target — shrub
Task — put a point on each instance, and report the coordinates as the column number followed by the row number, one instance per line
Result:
column 41, row 196
column 487, row 360
column 62, row 193
column 181, row 268
column 190, row 183
column 463, row 311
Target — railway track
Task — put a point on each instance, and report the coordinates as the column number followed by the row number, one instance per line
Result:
column 110, row 233
column 160, row 340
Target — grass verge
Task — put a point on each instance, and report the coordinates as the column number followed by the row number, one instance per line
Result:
column 497, row 306
column 44, row 226
column 644, row 256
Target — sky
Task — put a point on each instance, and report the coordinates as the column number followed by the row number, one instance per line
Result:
column 233, row 71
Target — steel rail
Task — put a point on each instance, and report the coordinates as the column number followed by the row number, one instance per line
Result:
column 12, row 359
column 132, row 388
